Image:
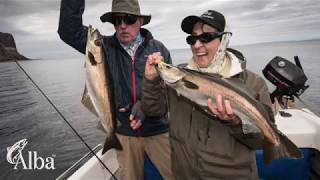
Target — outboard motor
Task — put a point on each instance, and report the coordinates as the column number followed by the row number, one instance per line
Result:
column 288, row 78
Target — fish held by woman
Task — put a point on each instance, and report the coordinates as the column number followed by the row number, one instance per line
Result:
column 197, row 87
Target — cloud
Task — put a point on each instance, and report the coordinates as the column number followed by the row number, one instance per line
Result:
column 34, row 23
column 278, row 21
column 18, row 8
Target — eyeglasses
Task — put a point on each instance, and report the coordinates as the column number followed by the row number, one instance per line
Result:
column 127, row 19
column 204, row 37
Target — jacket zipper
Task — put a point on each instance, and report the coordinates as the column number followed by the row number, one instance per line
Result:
column 134, row 86
column 134, row 81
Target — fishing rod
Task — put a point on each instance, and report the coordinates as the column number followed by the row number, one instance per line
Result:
column 62, row 116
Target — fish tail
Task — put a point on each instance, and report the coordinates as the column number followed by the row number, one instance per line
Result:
column 111, row 141
column 286, row 149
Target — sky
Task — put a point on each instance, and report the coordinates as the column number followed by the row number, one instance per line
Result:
column 34, row 23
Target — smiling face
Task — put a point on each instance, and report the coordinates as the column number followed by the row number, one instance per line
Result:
column 126, row 33
column 203, row 53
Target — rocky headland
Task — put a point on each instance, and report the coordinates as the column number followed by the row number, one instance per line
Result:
column 8, row 49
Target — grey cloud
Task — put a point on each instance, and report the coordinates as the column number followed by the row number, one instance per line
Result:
column 277, row 10
column 22, row 7
column 18, row 8
column 11, row 28
column 251, row 21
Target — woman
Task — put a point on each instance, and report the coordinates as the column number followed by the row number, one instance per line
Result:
column 206, row 147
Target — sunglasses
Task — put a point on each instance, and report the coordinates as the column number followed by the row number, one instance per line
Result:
column 204, row 37
column 127, row 19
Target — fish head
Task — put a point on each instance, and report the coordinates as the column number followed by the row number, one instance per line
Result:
column 95, row 37
column 94, row 48
column 93, row 33
column 169, row 73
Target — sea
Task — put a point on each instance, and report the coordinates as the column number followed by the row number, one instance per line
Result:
column 26, row 114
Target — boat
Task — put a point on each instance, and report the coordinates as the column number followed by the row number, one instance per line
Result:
column 299, row 123
column 302, row 127
column 88, row 167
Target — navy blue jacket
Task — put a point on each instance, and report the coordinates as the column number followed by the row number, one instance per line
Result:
column 124, row 70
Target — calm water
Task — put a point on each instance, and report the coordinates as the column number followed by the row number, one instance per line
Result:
column 24, row 113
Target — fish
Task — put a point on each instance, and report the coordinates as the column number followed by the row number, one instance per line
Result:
column 98, row 96
column 197, row 87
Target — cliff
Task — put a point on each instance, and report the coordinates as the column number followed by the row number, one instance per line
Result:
column 8, row 49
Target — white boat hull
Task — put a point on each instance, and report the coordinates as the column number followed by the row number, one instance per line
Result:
column 303, row 127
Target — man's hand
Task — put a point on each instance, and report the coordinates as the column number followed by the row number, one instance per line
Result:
column 223, row 110
column 150, row 70
column 137, row 116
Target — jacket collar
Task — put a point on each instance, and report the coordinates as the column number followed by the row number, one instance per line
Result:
column 232, row 65
column 235, row 65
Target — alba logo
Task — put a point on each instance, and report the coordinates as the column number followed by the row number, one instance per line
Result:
column 14, row 156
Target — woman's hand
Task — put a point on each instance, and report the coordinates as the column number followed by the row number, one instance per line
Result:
column 223, row 110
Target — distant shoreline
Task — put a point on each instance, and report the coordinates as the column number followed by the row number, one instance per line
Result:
column 261, row 43
column 8, row 48
column 278, row 42
column 3, row 61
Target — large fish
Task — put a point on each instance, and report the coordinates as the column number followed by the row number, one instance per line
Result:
column 98, row 94
column 198, row 87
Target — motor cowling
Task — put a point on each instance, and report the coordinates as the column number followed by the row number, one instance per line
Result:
column 288, row 78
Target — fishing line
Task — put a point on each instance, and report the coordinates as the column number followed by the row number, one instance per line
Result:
column 61, row 115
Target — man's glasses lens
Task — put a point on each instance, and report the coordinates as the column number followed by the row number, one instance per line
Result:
column 204, row 37
column 127, row 19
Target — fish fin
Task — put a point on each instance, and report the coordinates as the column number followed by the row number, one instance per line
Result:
column 87, row 102
column 91, row 58
column 286, row 149
column 111, row 141
column 248, row 126
column 190, row 84
column 100, row 127
column 293, row 150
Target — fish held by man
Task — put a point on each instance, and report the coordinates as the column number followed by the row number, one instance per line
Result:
column 98, row 96
column 198, row 87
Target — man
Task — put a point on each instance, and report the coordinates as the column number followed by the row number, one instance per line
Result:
column 126, row 52
column 206, row 147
